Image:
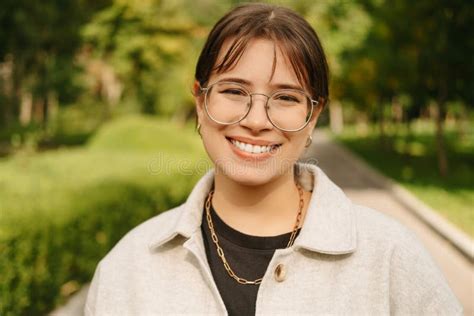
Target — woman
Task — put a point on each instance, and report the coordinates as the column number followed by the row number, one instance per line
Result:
column 262, row 233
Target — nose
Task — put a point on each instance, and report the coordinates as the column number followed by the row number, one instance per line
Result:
column 257, row 119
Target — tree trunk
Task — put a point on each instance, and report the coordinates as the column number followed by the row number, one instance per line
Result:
column 336, row 119
column 440, row 112
column 6, row 90
column 18, row 93
column 46, row 104
column 397, row 110
column 463, row 123
column 440, row 146
column 38, row 110
column 6, row 113
column 26, row 107
column 53, row 107
column 381, row 125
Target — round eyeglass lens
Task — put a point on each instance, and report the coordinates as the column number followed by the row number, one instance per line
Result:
column 289, row 109
column 227, row 102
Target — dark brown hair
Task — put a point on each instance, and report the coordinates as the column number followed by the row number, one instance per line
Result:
column 292, row 33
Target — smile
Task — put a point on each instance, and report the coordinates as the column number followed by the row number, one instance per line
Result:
column 253, row 149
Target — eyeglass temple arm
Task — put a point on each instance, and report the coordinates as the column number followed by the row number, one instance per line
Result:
column 201, row 89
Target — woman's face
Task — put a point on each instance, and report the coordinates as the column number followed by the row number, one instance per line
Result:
column 254, row 69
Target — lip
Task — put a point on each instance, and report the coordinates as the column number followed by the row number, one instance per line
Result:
column 248, row 156
column 251, row 141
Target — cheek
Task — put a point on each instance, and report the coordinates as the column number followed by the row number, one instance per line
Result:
column 298, row 149
column 213, row 137
column 297, row 141
column 212, row 130
column 296, row 145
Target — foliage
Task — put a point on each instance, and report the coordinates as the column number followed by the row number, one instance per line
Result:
column 414, row 48
column 39, row 42
column 413, row 56
column 152, row 46
column 138, row 133
column 62, row 211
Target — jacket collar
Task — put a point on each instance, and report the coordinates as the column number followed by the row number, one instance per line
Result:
column 329, row 226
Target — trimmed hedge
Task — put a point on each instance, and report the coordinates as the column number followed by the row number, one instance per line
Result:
column 56, row 224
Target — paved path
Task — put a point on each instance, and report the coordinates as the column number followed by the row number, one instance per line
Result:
column 343, row 170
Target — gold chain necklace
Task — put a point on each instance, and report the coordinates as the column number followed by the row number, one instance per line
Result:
column 220, row 252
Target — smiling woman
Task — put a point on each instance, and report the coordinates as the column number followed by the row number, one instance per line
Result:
column 233, row 121
column 254, row 237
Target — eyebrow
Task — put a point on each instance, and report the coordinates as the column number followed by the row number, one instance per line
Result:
column 276, row 86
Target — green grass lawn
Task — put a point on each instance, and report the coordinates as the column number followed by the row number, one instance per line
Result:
column 410, row 159
column 62, row 210
column 134, row 149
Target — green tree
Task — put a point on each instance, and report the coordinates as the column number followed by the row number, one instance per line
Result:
column 37, row 48
column 152, row 46
column 416, row 49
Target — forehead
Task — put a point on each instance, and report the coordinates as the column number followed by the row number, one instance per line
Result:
column 259, row 60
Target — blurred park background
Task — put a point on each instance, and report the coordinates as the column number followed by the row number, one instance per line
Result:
column 95, row 101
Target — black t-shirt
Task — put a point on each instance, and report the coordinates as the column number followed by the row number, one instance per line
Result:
column 247, row 255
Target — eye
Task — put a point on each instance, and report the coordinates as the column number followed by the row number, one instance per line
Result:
column 233, row 91
column 287, row 98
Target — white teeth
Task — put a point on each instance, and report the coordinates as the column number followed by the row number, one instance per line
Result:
column 253, row 149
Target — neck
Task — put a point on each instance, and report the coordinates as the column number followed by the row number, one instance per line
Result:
column 269, row 209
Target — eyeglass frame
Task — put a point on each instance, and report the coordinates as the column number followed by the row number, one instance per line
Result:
column 206, row 89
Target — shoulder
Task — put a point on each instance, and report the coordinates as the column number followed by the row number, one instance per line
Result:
column 384, row 228
column 380, row 236
column 127, row 265
column 417, row 285
column 384, row 235
column 381, row 231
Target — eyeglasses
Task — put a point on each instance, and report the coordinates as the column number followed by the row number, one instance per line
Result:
column 229, row 102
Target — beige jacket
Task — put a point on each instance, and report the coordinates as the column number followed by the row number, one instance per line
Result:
column 347, row 260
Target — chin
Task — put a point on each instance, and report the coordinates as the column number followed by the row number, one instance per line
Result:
column 247, row 174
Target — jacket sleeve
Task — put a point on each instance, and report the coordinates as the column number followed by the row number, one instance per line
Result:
column 91, row 301
column 417, row 286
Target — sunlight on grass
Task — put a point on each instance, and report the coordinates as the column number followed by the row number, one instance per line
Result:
column 409, row 157
column 135, row 149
